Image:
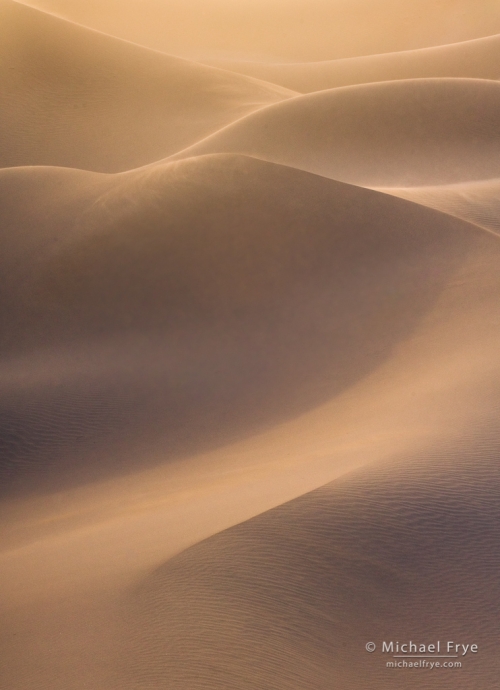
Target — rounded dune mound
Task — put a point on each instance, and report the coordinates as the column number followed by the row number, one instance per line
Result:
column 475, row 202
column 156, row 298
column 249, row 372
column 76, row 98
column 397, row 552
column 402, row 133
column 476, row 59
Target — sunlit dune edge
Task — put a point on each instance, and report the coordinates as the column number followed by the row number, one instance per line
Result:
column 403, row 133
column 476, row 202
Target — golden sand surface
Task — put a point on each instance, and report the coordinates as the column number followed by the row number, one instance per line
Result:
column 249, row 355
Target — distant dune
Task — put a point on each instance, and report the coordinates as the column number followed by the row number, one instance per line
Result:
column 280, row 31
column 477, row 59
column 401, row 133
column 77, row 98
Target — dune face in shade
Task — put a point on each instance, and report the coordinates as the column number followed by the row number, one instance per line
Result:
column 223, row 289
column 249, row 344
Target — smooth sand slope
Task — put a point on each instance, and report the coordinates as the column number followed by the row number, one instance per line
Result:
column 476, row 59
column 87, row 601
column 401, row 133
column 279, row 30
column 248, row 405
column 403, row 551
column 74, row 97
column 154, row 300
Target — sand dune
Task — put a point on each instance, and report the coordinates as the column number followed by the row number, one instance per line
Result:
column 249, row 372
column 477, row 59
column 475, row 202
column 74, row 97
column 282, row 31
column 71, row 588
column 76, row 571
column 115, row 323
column 402, row 133
column 406, row 551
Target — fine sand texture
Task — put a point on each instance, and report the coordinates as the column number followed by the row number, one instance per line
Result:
column 477, row 202
column 249, row 345
column 402, row 548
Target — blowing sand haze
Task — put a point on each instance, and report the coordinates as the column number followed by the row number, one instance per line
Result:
column 249, row 355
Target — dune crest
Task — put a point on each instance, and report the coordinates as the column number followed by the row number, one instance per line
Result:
column 276, row 30
column 124, row 265
column 402, row 133
column 74, row 97
column 475, row 202
column 475, row 59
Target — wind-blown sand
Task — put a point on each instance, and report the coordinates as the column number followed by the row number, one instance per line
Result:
column 115, row 288
column 476, row 59
column 288, row 31
column 477, row 202
column 78, row 98
column 249, row 371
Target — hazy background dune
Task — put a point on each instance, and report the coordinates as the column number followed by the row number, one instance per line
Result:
column 284, row 30
column 249, row 337
column 474, row 59
column 77, row 98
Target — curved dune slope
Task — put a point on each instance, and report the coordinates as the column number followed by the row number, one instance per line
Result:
column 156, row 298
column 475, row 202
column 70, row 558
column 296, row 30
column 477, row 59
column 288, row 600
column 402, row 133
column 249, row 344
column 74, row 97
